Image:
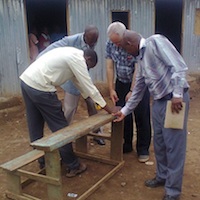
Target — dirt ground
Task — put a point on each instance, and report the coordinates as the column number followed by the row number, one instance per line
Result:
column 128, row 183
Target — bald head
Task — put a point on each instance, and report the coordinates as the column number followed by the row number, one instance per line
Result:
column 115, row 32
column 91, row 35
column 131, row 42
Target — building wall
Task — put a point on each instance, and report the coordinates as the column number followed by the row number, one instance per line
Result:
column 191, row 37
column 13, row 46
column 98, row 12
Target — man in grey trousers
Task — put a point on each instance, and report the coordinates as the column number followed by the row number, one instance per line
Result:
column 162, row 70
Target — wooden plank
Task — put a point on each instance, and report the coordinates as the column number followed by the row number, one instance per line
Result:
column 38, row 177
column 102, row 135
column 72, row 132
column 27, row 181
column 22, row 160
column 23, row 196
column 98, row 158
column 101, row 181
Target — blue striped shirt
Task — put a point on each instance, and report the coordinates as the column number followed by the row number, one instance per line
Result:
column 160, row 68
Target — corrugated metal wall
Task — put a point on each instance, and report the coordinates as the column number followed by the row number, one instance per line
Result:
column 13, row 46
column 191, row 42
column 98, row 12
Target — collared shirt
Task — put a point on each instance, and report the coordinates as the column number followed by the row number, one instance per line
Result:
column 124, row 62
column 75, row 40
column 161, row 68
column 56, row 67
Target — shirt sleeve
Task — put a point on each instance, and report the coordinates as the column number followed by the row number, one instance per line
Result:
column 174, row 61
column 137, row 94
column 84, row 83
column 108, row 53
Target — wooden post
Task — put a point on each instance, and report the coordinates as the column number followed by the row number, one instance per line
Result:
column 53, row 169
column 117, row 141
column 14, row 184
column 81, row 144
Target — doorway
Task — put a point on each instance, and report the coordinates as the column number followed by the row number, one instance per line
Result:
column 122, row 17
column 169, row 20
column 45, row 13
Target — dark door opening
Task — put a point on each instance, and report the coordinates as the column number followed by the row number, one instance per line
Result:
column 169, row 20
column 121, row 17
column 45, row 13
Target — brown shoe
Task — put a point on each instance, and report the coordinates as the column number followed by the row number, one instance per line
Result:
column 73, row 172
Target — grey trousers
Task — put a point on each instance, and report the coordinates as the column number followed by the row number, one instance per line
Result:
column 44, row 107
column 169, row 147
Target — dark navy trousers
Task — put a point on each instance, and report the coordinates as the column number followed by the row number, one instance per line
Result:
column 142, row 119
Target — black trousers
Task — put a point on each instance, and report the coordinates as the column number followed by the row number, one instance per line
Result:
column 142, row 119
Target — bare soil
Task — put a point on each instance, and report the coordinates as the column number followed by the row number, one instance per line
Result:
column 128, row 183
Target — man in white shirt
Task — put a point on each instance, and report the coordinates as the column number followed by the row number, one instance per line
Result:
column 85, row 40
column 38, row 85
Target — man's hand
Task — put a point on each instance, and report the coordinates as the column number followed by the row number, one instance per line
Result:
column 176, row 105
column 113, row 96
column 120, row 116
column 112, row 110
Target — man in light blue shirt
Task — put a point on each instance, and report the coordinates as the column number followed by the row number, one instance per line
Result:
column 85, row 40
column 162, row 69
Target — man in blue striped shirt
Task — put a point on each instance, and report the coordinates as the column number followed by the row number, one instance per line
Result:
column 162, row 69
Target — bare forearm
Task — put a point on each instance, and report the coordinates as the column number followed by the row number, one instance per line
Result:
column 110, row 73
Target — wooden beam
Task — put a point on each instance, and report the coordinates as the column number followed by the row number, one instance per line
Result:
column 72, row 132
column 98, row 158
column 22, row 160
column 23, row 196
column 101, row 181
column 38, row 177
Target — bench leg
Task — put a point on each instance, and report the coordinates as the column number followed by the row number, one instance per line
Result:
column 81, row 144
column 116, row 152
column 53, row 169
column 14, row 184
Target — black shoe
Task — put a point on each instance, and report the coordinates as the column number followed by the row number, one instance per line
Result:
column 168, row 197
column 99, row 141
column 153, row 183
column 127, row 148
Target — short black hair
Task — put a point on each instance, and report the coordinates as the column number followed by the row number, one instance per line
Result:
column 91, row 53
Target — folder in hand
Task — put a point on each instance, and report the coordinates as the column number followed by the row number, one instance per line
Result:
column 174, row 120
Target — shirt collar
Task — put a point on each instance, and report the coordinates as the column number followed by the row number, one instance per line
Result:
column 86, row 46
column 83, row 44
column 142, row 49
column 142, row 43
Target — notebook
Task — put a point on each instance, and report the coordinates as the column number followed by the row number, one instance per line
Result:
column 174, row 120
